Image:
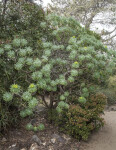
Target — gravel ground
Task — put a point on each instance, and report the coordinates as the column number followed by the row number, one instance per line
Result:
column 105, row 138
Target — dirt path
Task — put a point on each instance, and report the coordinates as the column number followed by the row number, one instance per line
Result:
column 105, row 139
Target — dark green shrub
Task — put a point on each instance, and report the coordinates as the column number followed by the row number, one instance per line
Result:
column 21, row 19
column 112, row 83
column 8, row 116
column 111, row 96
column 81, row 119
column 110, row 91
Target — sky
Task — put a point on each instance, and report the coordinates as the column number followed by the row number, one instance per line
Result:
column 45, row 2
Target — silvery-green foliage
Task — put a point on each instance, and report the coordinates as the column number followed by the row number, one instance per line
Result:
column 67, row 59
column 47, row 45
column 18, row 66
column 21, row 60
column 58, row 109
column 32, row 103
column 7, row 97
column 43, row 24
column 7, row 47
column 63, row 105
column 74, row 73
column 53, row 83
column 36, row 63
column 28, row 111
column 23, row 114
column 29, row 50
column 47, row 52
column 15, row 88
column 1, row 51
column 32, row 88
column 26, row 96
column 81, row 58
column 11, row 54
column 41, row 127
column 42, row 84
column 37, row 75
column 22, row 52
column 66, row 94
column 71, row 79
column 44, row 59
column 29, row 61
column 16, row 42
column 62, row 97
column 23, row 42
column 82, row 100
column 75, row 65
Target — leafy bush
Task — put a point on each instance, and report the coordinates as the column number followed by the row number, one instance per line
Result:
column 81, row 119
column 20, row 19
column 8, row 116
column 111, row 96
column 40, row 127
column 17, row 98
column 69, row 61
column 112, row 82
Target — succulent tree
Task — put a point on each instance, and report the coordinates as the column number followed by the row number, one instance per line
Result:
column 72, row 61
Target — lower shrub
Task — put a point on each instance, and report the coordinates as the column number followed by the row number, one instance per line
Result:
column 111, row 96
column 110, row 91
column 81, row 119
column 8, row 117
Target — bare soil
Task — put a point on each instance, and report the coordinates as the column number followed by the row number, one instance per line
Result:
column 104, row 139
column 20, row 139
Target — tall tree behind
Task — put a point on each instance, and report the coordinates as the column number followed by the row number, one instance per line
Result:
column 20, row 17
column 86, row 11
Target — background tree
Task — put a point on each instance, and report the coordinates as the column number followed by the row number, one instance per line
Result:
column 20, row 18
column 90, row 13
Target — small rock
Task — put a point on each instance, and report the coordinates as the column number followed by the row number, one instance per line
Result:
column 53, row 140
column 14, row 147
column 55, row 136
column 58, row 138
column 34, row 146
column 51, row 148
column 23, row 149
column 112, row 108
column 44, row 144
column 4, row 140
column 36, row 139
column 33, row 121
column 40, row 109
column 66, row 137
column 19, row 133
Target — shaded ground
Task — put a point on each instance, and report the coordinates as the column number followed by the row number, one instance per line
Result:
column 51, row 139
column 105, row 138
